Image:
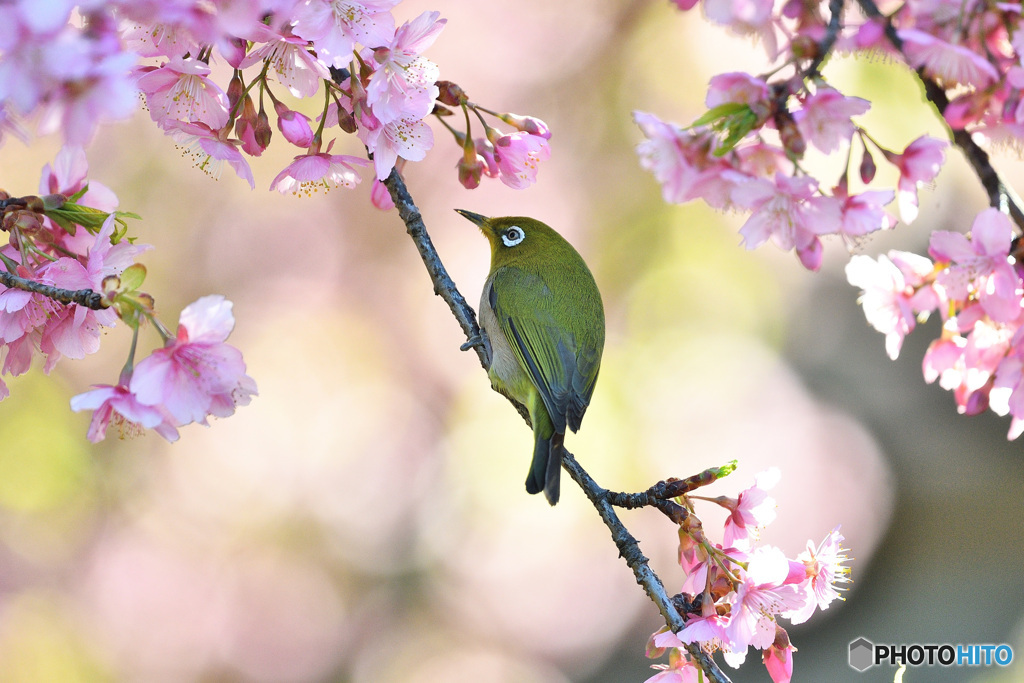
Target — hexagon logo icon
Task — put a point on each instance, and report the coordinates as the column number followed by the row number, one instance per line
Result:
column 862, row 654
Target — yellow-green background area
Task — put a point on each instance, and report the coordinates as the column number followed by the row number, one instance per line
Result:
column 364, row 519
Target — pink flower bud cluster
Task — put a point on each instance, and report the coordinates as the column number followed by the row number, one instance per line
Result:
column 743, row 589
column 75, row 75
column 976, row 284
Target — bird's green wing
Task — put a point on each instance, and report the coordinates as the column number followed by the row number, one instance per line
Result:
column 562, row 366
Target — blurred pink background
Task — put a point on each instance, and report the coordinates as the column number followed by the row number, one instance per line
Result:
column 364, row 519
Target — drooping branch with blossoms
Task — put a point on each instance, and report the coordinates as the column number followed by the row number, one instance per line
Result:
column 71, row 268
column 746, row 154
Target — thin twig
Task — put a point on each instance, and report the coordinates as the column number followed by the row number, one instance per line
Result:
column 82, row 297
column 628, row 547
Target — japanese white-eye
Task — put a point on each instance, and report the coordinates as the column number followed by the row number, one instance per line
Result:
column 543, row 324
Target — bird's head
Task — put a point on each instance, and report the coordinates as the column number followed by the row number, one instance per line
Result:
column 517, row 238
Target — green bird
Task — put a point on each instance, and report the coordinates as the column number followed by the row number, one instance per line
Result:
column 543, row 321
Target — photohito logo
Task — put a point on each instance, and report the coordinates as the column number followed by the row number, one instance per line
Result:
column 864, row 654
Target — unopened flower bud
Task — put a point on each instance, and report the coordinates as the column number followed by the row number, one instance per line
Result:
column 235, row 92
column 263, row 133
column 527, row 124
column 867, row 167
column 346, row 121
column 233, row 50
column 471, row 171
column 450, row 94
column 380, row 197
column 486, row 150
column 293, row 125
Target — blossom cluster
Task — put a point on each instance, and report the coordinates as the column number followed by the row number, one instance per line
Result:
column 71, row 238
column 370, row 72
column 745, row 153
column 975, row 284
column 195, row 375
column 740, row 589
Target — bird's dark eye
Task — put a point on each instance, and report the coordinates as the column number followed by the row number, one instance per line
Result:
column 512, row 236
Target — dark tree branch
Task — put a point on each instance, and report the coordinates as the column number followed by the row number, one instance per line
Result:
column 629, row 550
column 1000, row 195
column 82, row 297
column 628, row 547
column 835, row 7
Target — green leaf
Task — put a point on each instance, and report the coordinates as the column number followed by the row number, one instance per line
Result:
column 133, row 277
column 719, row 112
column 78, row 195
column 71, row 213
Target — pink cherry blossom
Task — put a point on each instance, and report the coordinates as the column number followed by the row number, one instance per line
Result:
column 296, row 68
column 751, row 510
column 951, row 64
column 1007, row 394
column 758, row 598
column 680, row 669
column 71, row 330
column 825, row 121
column 919, row 163
column 181, row 89
column 981, row 266
column 825, row 569
column 708, row 630
column 335, row 27
column 92, row 87
column 518, row 155
column 944, row 361
column 967, row 365
column 210, row 149
column 864, row 213
column 787, row 211
column 407, row 139
column 746, row 17
column 308, row 173
column 69, row 174
column 683, row 162
column 695, row 561
column 117, row 405
column 196, row 374
column 892, row 294
column 380, row 197
column 403, row 84
column 738, row 87
column 778, row 659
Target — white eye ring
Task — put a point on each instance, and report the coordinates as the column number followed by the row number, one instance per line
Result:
column 512, row 236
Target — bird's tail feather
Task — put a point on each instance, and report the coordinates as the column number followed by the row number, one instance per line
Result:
column 546, row 467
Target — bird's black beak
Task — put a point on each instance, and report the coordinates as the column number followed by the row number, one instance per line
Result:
column 472, row 217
